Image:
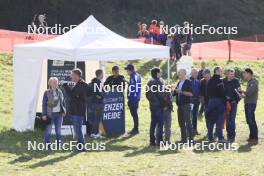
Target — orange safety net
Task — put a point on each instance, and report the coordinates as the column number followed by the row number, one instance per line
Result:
column 239, row 50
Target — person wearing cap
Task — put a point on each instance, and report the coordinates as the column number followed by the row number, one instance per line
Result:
column 250, row 96
column 232, row 86
column 133, row 95
column 77, row 103
column 115, row 80
column 214, row 113
column 156, row 98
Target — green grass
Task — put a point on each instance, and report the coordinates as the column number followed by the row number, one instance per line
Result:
column 128, row 156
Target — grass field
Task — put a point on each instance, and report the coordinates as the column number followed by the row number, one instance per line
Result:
column 129, row 156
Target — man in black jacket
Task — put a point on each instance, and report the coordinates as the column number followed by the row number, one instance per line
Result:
column 232, row 96
column 183, row 93
column 214, row 113
column 156, row 96
column 115, row 81
column 77, row 103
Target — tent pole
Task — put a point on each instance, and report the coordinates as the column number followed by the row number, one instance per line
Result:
column 168, row 70
column 75, row 64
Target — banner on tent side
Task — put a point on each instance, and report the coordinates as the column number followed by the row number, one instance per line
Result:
column 114, row 113
column 62, row 71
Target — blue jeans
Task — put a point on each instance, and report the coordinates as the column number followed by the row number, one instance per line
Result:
column 194, row 115
column 156, row 121
column 77, row 122
column 215, row 115
column 56, row 119
column 133, row 107
column 251, row 121
column 231, row 122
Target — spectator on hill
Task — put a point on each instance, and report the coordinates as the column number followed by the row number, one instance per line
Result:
column 232, row 86
column 204, row 98
column 53, row 109
column 250, row 99
column 156, row 98
column 177, row 42
column 133, row 95
column 195, row 99
column 97, row 103
column 183, row 93
column 153, row 31
column 186, row 49
column 170, row 43
column 216, row 105
column 162, row 37
column 143, row 32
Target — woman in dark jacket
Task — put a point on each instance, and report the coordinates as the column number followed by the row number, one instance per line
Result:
column 52, row 110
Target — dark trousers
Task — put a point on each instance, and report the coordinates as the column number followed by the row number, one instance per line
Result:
column 184, row 119
column 231, row 122
column 156, row 123
column 133, row 107
column 77, row 122
column 178, row 52
column 195, row 109
column 251, row 121
column 97, row 117
column 215, row 115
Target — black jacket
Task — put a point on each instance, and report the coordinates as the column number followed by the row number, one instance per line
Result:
column 180, row 98
column 97, row 91
column 111, row 80
column 156, row 96
column 77, row 98
column 216, row 87
column 230, row 87
column 204, row 90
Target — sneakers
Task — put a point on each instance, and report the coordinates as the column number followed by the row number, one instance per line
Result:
column 96, row 136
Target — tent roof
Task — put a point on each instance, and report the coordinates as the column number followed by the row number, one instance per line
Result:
column 91, row 41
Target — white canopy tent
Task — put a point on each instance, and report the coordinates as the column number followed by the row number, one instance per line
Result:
column 88, row 41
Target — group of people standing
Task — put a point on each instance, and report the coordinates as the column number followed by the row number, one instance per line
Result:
column 180, row 41
column 217, row 97
column 196, row 93
column 77, row 93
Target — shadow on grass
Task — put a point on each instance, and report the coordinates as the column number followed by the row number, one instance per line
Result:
column 17, row 143
column 244, row 148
